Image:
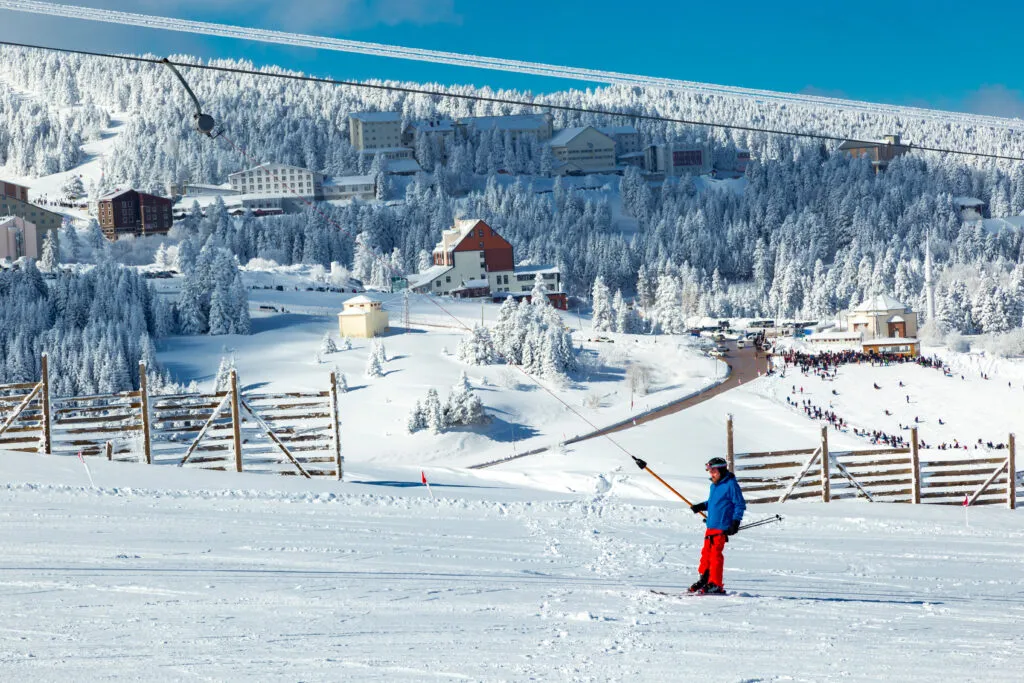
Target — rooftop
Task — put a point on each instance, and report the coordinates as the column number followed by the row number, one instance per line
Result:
column 513, row 122
column 376, row 116
column 427, row 276
column 880, row 302
column 567, row 135
column 349, row 180
column 359, row 300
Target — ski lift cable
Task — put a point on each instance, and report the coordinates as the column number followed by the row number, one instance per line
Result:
column 596, row 76
column 824, row 137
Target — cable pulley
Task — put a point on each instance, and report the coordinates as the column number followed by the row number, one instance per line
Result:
column 204, row 122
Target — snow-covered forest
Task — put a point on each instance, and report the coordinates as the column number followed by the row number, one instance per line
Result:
column 810, row 231
column 95, row 326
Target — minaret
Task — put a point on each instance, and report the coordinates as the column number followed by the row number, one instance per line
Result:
column 929, row 286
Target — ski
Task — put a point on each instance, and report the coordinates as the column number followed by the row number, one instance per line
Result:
column 686, row 594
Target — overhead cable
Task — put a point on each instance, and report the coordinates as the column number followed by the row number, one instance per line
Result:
column 504, row 100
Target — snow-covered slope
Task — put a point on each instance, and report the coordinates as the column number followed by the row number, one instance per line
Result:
column 174, row 575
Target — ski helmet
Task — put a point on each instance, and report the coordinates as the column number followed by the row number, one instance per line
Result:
column 719, row 463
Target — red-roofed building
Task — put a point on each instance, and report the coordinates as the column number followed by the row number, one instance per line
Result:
column 473, row 260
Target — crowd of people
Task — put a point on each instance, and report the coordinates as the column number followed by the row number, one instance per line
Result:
column 826, row 365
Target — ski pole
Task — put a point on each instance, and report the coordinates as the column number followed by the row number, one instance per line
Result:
column 762, row 522
column 643, row 465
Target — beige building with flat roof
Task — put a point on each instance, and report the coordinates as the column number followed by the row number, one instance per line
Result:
column 18, row 238
column 362, row 317
column 583, row 150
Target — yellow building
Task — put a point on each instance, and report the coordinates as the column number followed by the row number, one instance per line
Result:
column 362, row 317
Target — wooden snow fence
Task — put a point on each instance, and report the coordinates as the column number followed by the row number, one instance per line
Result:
column 892, row 475
column 286, row 433
column 22, row 418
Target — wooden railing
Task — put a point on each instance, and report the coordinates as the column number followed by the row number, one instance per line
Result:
column 286, row 433
column 893, row 475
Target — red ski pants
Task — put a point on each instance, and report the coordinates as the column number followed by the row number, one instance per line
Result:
column 711, row 558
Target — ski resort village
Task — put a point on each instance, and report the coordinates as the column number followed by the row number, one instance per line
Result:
column 341, row 376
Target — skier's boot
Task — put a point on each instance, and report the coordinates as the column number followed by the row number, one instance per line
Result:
column 701, row 582
column 712, row 589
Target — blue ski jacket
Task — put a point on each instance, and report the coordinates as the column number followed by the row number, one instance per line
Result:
column 725, row 503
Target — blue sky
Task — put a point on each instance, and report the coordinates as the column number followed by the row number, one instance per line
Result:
column 938, row 54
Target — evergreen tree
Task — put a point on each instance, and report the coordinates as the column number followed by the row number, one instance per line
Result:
column 603, row 314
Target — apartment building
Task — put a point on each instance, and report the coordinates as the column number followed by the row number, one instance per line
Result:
column 277, row 180
column 130, row 212
column 583, row 150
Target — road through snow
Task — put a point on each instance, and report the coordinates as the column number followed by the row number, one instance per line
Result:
column 175, row 579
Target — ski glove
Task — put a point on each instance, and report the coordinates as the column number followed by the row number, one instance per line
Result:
column 697, row 508
column 733, row 528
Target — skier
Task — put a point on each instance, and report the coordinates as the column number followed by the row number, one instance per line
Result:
column 724, row 507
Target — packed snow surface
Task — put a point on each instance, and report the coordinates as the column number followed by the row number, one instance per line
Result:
column 168, row 574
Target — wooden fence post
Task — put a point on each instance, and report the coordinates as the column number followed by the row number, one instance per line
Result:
column 44, row 446
column 236, row 421
column 826, row 485
column 915, row 469
column 339, row 461
column 730, row 455
column 108, row 448
column 1011, row 485
column 144, row 398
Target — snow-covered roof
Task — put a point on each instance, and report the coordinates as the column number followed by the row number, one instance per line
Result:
column 376, row 116
column 349, row 180
column 567, row 135
column 114, row 194
column 968, row 201
column 617, row 130
column 270, row 167
column 403, row 166
column 427, row 276
column 513, row 122
column 880, row 302
column 359, row 300
column 1006, row 224
column 474, row 284
column 374, row 151
column 525, row 270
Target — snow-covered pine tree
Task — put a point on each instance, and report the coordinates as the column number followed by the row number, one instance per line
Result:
column 432, row 410
column 160, row 257
column 417, row 419
column 48, row 260
column 327, row 345
column 603, row 318
column 222, row 381
column 374, row 367
column 477, row 347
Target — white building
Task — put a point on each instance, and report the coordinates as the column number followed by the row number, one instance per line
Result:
column 473, row 260
column 678, row 159
column 583, row 150
column 277, row 180
column 375, row 130
column 18, row 238
column 627, row 139
column 350, row 187
column 536, row 125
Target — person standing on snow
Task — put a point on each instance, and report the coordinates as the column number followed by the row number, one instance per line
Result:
column 724, row 507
